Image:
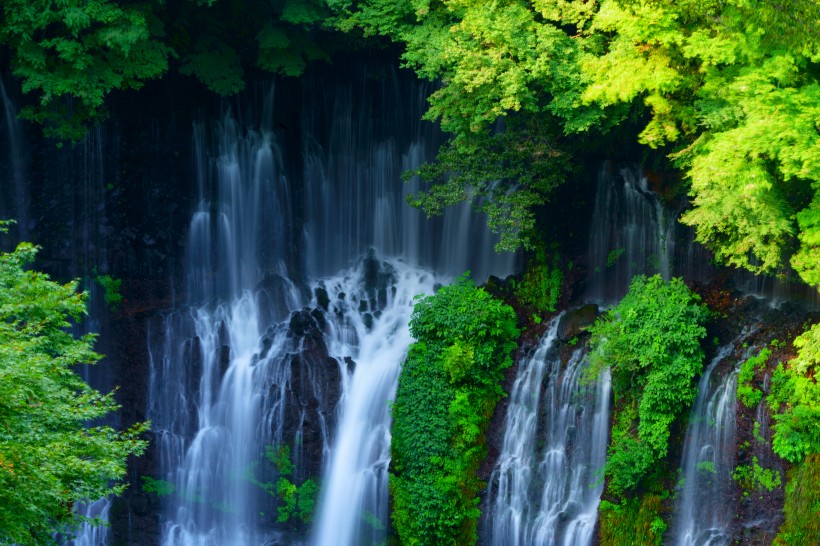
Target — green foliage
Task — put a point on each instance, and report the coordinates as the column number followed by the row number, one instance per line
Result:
column 541, row 286
column 495, row 60
column 795, row 399
column 504, row 174
column 295, row 501
column 801, row 523
column 713, row 80
column 448, row 388
column 72, row 54
column 280, row 457
column 718, row 80
column 651, row 342
column 755, row 478
column 49, row 460
column 633, row 521
column 111, row 290
column 81, row 50
column 160, row 488
column 749, row 395
column 614, row 256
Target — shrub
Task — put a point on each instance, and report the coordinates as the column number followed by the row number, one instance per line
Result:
column 795, row 399
column 448, row 388
column 749, row 395
column 651, row 342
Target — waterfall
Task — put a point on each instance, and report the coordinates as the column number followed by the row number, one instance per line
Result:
column 545, row 487
column 629, row 234
column 354, row 506
column 703, row 514
column 94, row 535
column 17, row 166
column 302, row 264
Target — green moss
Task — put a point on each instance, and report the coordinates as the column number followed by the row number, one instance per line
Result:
column 634, row 521
column 802, row 507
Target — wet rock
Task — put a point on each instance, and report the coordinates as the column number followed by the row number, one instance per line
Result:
column 350, row 364
column 273, row 294
column 319, row 318
column 322, row 299
column 301, row 322
column 577, row 321
column 223, row 355
column 378, row 277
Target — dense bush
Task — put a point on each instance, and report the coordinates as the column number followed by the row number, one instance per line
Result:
column 795, row 399
column 448, row 388
column 651, row 342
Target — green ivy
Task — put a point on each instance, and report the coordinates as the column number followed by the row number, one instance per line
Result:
column 448, row 388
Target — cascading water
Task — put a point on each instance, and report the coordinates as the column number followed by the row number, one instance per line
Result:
column 545, row 494
column 376, row 338
column 17, row 166
column 214, row 399
column 245, row 369
column 703, row 510
column 94, row 535
column 629, row 234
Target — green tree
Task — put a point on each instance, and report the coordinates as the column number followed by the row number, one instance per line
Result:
column 81, row 51
column 70, row 55
column 52, row 456
column 729, row 89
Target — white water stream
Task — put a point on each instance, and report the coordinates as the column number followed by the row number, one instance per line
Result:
column 555, row 437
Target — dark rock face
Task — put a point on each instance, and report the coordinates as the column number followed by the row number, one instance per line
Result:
column 135, row 516
column 312, row 397
column 577, row 321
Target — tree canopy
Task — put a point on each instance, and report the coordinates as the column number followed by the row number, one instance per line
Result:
column 49, row 459
column 72, row 54
column 729, row 90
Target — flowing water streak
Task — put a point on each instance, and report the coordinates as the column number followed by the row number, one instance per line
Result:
column 224, row 370
column 703, row 515
column 549, row 494
column 94, row 535
column 354, row 503
column 17, row 165
column 628, row 234
column 211, row 396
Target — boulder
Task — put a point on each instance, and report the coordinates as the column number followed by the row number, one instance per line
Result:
column 577, row 321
